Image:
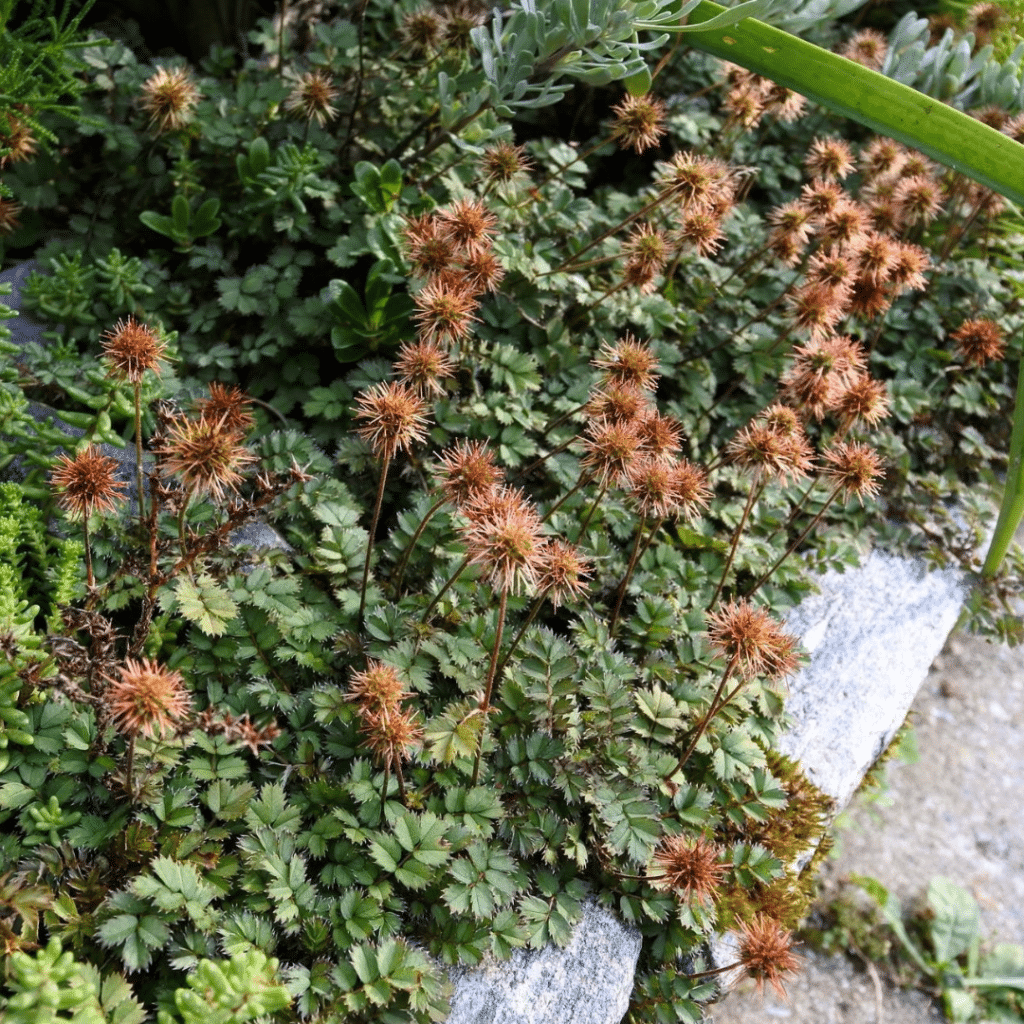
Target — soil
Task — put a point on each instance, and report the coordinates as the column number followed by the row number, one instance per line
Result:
column 954, row 812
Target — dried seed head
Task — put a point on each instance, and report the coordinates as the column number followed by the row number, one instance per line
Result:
column 919, row 199
column 695, row 181
column 688, row 866
column 563, row 572
column 639, row 122
column 908, row 269
column 752, row 639
column 469, row 224
column 652, row 488
column 17, row 138
column 9, row 211
column 629, row 363
column 821, row 197
column 829, row 159
column 423, row 365
column 482, row 272
column 509, row 545
column 1014, row 127
column 648, row 247
column 989, row 202
column 639, row 275
column 783, row 103
column 88, row 483
column 744, row 105
column 817, row 308
column 311, row 98
column 703, row 231
column 230, row 405
column 617, row 403
column 766, row 953
column 882, row 156
column 835, row 269
column 794, row 218
column 611, row 450
column 391, row 731
column 502, row 163
column 772, row 451
column 444, row 310
column 468, row 472
column 864, row 401
column 169, row 96
column 845, row 224
column 978, row 341
column 460, row 20
column 866, row 47
column 421, row 31
column 854, row 468
column 868, row 298
column 396, row 418
column 131, row 349
column 983, row 19
column 876, row 255
column 207, row 455
column 147, row 698
column 993, row 116
column 659, row 434
column 690, row 484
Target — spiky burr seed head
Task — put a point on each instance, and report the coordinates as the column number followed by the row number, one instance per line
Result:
column 744, row 105
column 854, row 468
column 88, row 483
column 482, row 272
column 978, row 341
column 377, row 684
column 689, row 867
column 690, row 485
column 147, row 698
column 17, row 137
column 918, row 198
column 876, row 256
column 771, row 451
column 867, row 48
column 9, row 211
column 845, row 225
column 169, row 96
column 563, row 571
column 422, row 31
column 817, row 308
column 422, row 365
column 701, row 230
column 652, row 488
column 821, row 197
column 205, row 454
column 131, row 349
column 503, row 163
column 882, row 156
column 617, row 403
column 428, row 246
column 390, row 730
column 864, row 401
column 639, row 122
column 766, row 953
column 783, row 103
column 829, row 159
column 752, row 639
column 469, row 225
column 611, row 450
column 395, row 418
column 229, row 404
column 628, row 363
column 647, row 246
column 468, row 472
column 659, row 435
column 868, row 298
column 445, row 310
column 508, row 543
column 695, row 181
column 312, row 98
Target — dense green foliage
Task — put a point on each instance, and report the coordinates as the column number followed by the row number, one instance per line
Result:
column 532, row 742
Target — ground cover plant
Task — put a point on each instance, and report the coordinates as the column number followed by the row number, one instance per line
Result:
column 542, row 428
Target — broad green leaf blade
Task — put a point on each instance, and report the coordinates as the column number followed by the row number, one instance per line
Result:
column 1012, row 509
column 891, row 912
column 945, row 134
column 956, row 920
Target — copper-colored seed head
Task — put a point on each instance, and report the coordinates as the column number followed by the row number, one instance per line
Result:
column 978, row 341
column 207, row 455
column 751, row 638
column 170, row 97
column 854, row 468
column 395, row 418
column 131, row 349
column 147, row 698
column 638, row 122
column 311, row 98
column 766, row 952
column 688, row 866
column 88, row 483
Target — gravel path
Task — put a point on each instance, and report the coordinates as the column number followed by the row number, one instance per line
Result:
column 956, row 812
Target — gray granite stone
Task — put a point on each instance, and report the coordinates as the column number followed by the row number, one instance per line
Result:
column 588, row 982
